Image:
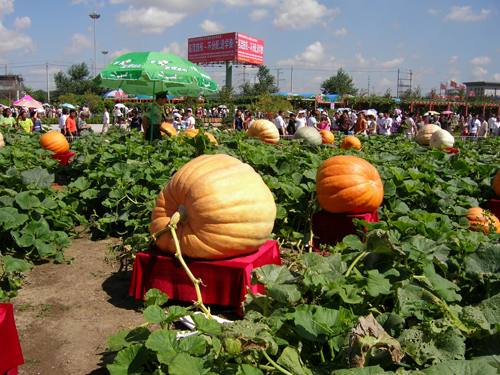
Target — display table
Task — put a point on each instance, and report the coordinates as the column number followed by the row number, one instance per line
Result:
column 64, row 159
column 224, row 281
column 494, row 207
column 332, row 228
column 11, row 355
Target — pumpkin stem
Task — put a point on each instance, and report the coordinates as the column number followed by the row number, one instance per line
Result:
column 172, row 226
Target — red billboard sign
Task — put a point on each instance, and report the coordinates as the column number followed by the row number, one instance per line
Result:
column 226, row 47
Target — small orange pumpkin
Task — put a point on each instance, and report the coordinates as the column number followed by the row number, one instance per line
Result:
column 348, row 184
column 481, row 220
column 194, row 133
column 496, row 183
column 327, row 136
column 168, row 128
column 351, row 141
column 54, row 141
column 265, row 130
column 226, row 209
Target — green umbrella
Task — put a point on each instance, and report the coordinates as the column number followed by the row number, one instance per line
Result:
column 148, row 73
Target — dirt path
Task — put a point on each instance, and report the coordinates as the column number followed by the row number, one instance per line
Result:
column 65, row 312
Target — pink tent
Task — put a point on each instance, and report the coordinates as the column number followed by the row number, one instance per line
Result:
column 28, row 101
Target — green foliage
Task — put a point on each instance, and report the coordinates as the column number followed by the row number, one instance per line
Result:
column 340, row 83
column 266, row 83
column 76, row 80
column 268, row 103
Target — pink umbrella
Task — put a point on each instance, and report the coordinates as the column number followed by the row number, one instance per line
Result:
column 28, row 101
column 446, row 112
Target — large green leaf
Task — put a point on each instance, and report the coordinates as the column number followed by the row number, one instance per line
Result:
column 39, row 177
column 127, row 337
column 129, row 361
column 461, row 368
column 184, row 364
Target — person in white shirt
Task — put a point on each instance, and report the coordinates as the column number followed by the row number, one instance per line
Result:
column 387, row 125
column 380, row 123
column 105, row 121
column 474, row 125
column 353, row 116
column 311, row 121
column 300, row 120
column 190, row 120
column 492, row 125
column 117, row 116
column 280, row 123
column 412, row 128
column 483, row 129
column 177, row 123
column 62, row 119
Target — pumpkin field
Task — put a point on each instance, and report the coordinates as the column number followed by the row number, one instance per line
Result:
column 416, row 293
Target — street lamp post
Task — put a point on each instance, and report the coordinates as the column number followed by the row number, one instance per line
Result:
column 105, row 52
column 94, row 16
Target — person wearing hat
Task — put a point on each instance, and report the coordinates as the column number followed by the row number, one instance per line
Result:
column 190, row 121
column 301, row 119
column 177, row 123
column 81, row 124
column 159, row 117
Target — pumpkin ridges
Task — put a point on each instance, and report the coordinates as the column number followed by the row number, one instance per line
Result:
column 55, row 142
column 168, row 127
column 327, row 136
column 265, row 130
column 496, row 183
column 351, row 142
column 481, row 221
column 195, row 132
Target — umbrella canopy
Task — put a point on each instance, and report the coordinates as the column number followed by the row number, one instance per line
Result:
column 148, row 73
column 431, row 113
column 67, row 105
column 120, row 105
column 115, row 94
column 446, row 112
column 29, row 102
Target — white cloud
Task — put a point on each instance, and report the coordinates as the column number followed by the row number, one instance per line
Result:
column 12, row 40
column 314, row 54
column 386, row 83
column 496, row 77
column 362, row 62
column 466, row 14
column 483, row 60
column 6, row 6
column 340, row 32
column 454, row 72
column 392, row 63
column 479, row 73
column 258, row 14
column 211, row 26
column 149, row 20
column 453, row 60
column 172, row 6
column 175, row 49
column 433, row 11
column 22, row 23
column 78, row 43
column 301, row 14
column 116, row 54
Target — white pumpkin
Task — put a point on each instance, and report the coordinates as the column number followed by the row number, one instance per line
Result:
column 424, row 135
column 2, row 143
column 441, row 139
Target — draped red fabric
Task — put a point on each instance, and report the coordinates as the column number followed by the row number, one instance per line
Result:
column 11, row 355
column 330, row 229
column 224, row 281
column 494, row 207
column 64, row 159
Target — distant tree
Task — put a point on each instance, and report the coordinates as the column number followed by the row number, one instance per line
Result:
column 414, row 93
column 76, row 80
column 430, row 94
column 92, row 101
column 340, row 83
column 268, row 103
column 265, row 83
column 226, row 94
column 388, row 93
column 38, row 95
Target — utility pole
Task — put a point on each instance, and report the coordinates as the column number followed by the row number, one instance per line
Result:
column 95, row 16
column 278, row 77
column 397, row 87
column 291, row 80
column 368, row 85
column 47, row 71
column 5, row 69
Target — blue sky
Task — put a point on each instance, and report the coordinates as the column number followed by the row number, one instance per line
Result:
column 437, row 40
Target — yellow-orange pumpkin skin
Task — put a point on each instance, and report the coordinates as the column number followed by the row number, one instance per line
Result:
column 168, row 128
column 55, row 142
column 481, row 220
column 194, row 133
column 265, row 130
column 327, row 136
column 496, row 183
column 424, row 135
column 230, row 210
column 351, row 141
column 348, row 184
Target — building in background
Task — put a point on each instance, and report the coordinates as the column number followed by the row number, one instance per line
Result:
column 483, row 88
column 11, row 87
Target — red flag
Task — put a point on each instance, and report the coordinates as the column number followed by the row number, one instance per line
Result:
column 453, row 84
column 443, row 87
column 462, row 87
column 472, row 93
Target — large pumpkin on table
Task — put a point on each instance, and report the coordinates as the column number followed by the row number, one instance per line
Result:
column 441, row 139
column 55, row 142
column 167, row 127
column 424, row 135
column 351, row 142
column 327, row 136
column 348, row 184
column 482, row 221
column 265, row 130
column 194, row 133
column 309, row 135
column 226, row 209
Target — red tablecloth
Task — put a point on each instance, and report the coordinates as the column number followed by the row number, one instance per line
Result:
column 224, row 281
column 332, row 228
column 494, row 207
column 11, row 355
column 64, row 159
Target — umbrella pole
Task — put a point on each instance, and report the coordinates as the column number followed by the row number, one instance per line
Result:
column 152, row 113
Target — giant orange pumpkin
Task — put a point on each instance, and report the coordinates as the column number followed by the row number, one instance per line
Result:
column 55, row 142
column 265, row 130
column 167, row 127
column 496, row 183
column 348, row 184
column 327, row 136
column 481, row 220
column 194, row 133
column 351, row 141
column 226, row 209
